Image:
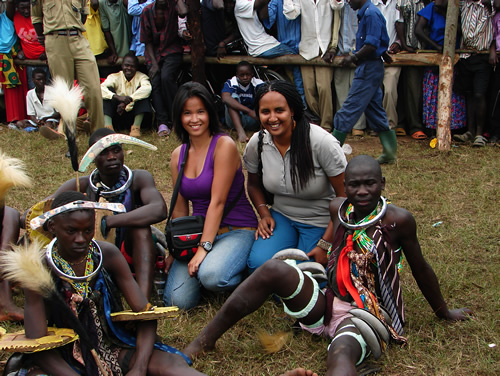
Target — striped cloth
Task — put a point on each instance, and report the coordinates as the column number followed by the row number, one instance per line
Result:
column 477, row 28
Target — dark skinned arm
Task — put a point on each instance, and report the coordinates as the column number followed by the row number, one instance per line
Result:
column 422, row 272
column 94, row 4
column 116, row 265
column 362, row 54
column 10, row 227
column 153, row 209
column 35, row 325
column 400, row 30
column 153, row 70
column 421, row 34
column 237, row 106
column 111, row 43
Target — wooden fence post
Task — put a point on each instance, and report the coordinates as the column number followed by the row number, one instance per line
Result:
column 445, row 86
column 197, row 43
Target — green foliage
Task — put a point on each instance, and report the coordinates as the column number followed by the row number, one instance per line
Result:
column 459, row 188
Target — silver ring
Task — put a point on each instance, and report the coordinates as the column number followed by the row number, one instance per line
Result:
column 116, row 192
column 365, row 224
column 67, row 277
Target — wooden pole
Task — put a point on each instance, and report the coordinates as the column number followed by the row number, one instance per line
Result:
column 197, row 43
column 445, row 86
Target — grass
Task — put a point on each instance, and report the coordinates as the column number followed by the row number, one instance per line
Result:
column 459, row 188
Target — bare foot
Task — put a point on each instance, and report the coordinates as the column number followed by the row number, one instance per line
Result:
column 300, row 372
column 11, row 312
column 242, row 137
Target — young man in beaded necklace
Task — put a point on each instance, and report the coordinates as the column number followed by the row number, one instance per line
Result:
column 74, row 254
column 145, row 206
column 360, row 261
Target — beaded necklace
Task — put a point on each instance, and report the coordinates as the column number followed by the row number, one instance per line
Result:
column 364, row 242
column 82, row 288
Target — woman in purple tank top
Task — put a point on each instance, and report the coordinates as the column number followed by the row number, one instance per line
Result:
column 212, row 180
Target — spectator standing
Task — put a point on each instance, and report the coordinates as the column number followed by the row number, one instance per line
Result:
column 411, row 77
column 163, row 53
column 135, row 8
column 365, row 94
column 126, row 92
column 391, row 74
column 31, row 49
column 219, row 27
column 59, row 26
column 315, row 37
column 494, row 129
column 473, row 69
column 343, row 76
column 288, row 34
column 430, row 30
column 117, row 27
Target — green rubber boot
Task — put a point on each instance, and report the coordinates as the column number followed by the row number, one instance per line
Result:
column 390, row 146
column 339, row 136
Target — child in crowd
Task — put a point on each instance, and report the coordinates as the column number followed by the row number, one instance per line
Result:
column 238, row 95
column 41, row 116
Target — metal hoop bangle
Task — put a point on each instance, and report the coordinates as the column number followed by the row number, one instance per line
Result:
column 116, row 192
column 365, row 224
column 67, row 277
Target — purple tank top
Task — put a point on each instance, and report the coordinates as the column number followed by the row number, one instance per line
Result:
column 199, row 191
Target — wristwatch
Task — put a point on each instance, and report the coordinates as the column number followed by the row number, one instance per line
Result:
column 207, row 246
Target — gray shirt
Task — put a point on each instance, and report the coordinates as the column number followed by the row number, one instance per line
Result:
column 310, row 204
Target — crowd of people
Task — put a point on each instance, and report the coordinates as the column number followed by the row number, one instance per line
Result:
column 158, row 30
column 303, row 201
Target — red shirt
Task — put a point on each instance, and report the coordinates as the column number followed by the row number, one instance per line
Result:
column 27, row 34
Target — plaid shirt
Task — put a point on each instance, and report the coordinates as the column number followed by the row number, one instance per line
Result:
column 165, row 41
column 477, row 28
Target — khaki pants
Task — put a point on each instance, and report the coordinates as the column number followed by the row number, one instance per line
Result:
column 391, row 78
column 318, row 90
column 68, row 55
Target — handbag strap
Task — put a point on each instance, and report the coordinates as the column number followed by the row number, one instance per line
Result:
column 175, row 193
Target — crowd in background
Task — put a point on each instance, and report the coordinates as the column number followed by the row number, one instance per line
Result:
column 270, row 28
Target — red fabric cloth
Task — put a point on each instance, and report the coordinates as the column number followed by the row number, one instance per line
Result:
column 27, row 34
column 15, row 98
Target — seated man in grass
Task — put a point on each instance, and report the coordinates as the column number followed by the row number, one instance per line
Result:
column 68, row 302
column 126, row 96
column 370, row 237
column 238, row 95
column 112, row 181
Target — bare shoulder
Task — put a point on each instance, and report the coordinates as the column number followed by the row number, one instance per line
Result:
column 398, row 216
column 174, row 160
column 70, row 185
column 226, row 148
column 110, row 253
column 335, row 205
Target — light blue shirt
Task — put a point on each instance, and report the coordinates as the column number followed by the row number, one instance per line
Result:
column 288, row 30
column 348, row 29
column 8, row 35
column 135, row 9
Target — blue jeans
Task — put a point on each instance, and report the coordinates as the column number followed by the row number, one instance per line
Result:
column 286, row 234
column 365, row 96
column 247, row 122
column 283, row 49
column 222, row 269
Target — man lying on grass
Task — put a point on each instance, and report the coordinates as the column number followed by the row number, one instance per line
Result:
column 85, row 286
column 363, row 271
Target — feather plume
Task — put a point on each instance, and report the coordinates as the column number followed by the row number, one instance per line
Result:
column 273, row 342
column 67, row 102
column 24, row 265
column 12, row 174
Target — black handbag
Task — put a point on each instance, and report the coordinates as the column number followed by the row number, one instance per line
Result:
column 184, row 233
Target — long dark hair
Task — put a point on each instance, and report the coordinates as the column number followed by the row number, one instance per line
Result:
column 301, row 160
column 186, row 91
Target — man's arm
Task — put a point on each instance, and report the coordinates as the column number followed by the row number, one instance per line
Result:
column 144, row 89
column 422, row 272
column 146, row 330
column 153, row 209
column 291, row 9
column 11, row 9
column 400, row 30
column 235, row 105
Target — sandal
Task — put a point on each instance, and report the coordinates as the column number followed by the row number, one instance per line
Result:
column 50, row 133
column 163, row 131
column 466, row 137
column 400, row 132
column 419, row 135
column 479, row 141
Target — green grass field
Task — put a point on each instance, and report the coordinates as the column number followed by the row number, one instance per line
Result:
column 460, row 188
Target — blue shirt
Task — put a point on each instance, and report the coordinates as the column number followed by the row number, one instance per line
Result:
column 436, row 22
column 246, row 94
column 372, row 30
column 348, row 29
column 288, row 30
